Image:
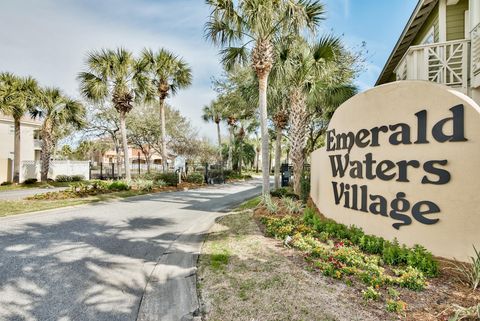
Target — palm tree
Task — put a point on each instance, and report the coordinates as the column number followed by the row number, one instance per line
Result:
column 118, row 76
column 235, row 25
column 308, row 68
column 57, row 112
column 18, row 97
column 214, row 112
column 168, row 73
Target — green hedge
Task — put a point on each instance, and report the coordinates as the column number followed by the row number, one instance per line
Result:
column 195, row 178
column 171, row 179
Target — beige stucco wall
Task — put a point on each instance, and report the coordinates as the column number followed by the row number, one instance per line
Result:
column 459, row 200
column 27, row 152
column 6, row 170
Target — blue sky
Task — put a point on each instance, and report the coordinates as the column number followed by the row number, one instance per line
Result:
column 49, row 39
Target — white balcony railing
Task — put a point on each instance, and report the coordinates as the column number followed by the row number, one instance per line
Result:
column 444, row 63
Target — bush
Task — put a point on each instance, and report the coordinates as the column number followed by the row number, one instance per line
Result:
column 272, row 207
column 396, row 306
column 292, row 206
column 305, row 187
column 279, row 192
column 77, row 178
column 370, row 294
column 171, row 179
column 392, row 253
column 143, row 185
column 469, row 274
column 195, row 178
column 119, row 186
column 30, row 181
column 6, row 183
column 63, row 178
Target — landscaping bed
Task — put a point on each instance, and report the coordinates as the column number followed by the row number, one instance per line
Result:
column 380, row 278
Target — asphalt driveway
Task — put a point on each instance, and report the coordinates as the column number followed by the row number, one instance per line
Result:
column 127, row 260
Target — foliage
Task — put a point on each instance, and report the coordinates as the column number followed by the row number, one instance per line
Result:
column 395, row 306
column 143, row 185
column 469, row 273
column 119, row 186
column 67, row 178
column 196, row 178
column 279, row 192
column 171, row 179
column 292, row 206
column 270, row 204
column 305, row 187
column 6, row 183
column 30, row 181
column 461, row 313
column 391, row 252
column 370, row 294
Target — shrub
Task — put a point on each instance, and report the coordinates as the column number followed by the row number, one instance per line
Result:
column 396, row 306
column 292, row 206
column 30, row 181
column 279, row 192
column 77, row 178
column 143, row 185
column 119, row 186
column 270, row 205
column 6, row 183
column 305, row 187
column 171, row 179
column 98, row 185
column 410, row 278
column 195, row 178
column 392, row 253
column 370, row 294
column 160, row 183
column 469, row 274
column 63, row 178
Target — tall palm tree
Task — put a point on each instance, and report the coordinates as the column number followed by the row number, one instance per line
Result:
column 57, row 112
column 307, row 68
column 214, row 112
column 118, row 76
column 18, row 97
column 168, row 73
column 235, row 25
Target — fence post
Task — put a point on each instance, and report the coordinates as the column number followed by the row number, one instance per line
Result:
column 90, row 170
column 139, row 164
column 113, row 170
column 101, row 170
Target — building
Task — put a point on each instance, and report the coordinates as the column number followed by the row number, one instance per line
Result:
column 440, row 43
column 30, row 143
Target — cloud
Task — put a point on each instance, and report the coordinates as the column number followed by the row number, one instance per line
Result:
column 49, row 40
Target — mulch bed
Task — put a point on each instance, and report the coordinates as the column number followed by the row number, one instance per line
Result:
column 436, row 302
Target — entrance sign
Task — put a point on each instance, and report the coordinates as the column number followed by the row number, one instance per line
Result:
column 402, row 160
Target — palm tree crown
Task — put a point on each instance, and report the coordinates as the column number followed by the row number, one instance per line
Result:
column 168, row 72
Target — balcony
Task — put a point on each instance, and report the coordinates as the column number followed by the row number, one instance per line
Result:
column 444, row 63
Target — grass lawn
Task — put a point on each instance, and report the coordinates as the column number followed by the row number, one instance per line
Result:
column 24, row 206
column 36, row 185
column 243, row 275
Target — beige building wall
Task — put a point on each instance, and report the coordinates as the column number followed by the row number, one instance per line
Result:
column 6, row 168
column 459, row 200
column 28, row 144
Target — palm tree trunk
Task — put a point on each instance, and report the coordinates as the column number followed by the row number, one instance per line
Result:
column 16, row 152
column 278, row 154
column 230, row 150
column 126, row 158
column 219, row 141
column 298, row 118
column 46, row 150
column 164, row 134
column 262, row 105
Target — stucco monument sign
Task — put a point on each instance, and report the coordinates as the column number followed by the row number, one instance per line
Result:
column 402, row 161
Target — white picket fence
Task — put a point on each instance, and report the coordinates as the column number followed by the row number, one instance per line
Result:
column 32, row 169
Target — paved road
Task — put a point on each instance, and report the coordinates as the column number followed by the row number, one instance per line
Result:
column 19, row 194
column 127, row 260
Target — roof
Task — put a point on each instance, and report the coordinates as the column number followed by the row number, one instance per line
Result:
column 26, row 120
column 416, row 21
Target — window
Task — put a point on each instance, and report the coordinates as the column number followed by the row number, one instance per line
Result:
column 429, row 37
